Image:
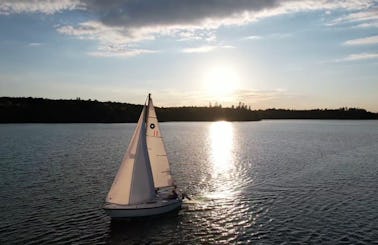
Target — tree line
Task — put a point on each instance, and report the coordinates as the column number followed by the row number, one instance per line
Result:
column 39, row 110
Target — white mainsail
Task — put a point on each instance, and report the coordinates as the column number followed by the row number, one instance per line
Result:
column 133, row 183
column 156, row 150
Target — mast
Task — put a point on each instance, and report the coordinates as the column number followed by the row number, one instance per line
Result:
column 147, row 106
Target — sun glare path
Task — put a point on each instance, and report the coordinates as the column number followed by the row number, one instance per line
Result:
column 221, row 155
column 221, row 134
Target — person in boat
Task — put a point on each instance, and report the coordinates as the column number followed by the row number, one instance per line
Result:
column 184, row 195
column 173, row 195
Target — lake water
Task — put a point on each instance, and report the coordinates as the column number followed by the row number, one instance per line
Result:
column 288, row 181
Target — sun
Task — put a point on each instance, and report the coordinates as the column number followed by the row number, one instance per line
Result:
column 221, row 82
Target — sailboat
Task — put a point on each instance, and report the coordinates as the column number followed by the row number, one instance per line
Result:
column 143, row 185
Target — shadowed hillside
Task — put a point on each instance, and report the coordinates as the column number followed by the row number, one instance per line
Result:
column 342, row 113
column 38, row 110
column 22, row 110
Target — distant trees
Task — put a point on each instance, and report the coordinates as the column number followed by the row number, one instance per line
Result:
column 205, row 114
column 65, row 111
column 241, row 105
column 342, row 113
column 33, row 110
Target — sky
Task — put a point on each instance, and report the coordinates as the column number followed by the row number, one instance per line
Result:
column 266, row 54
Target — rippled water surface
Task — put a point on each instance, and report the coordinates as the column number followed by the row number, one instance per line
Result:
column 251, row 182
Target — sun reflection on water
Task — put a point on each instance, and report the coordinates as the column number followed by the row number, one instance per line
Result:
column 222, row 137
column 221, row 156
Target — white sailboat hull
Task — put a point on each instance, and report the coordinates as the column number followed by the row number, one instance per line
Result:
column 157, row 207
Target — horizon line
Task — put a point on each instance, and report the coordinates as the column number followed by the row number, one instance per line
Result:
column 252, row 109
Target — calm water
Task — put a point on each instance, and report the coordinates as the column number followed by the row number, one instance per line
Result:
column 251, row 182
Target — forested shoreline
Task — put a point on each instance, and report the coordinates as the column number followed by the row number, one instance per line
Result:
column 40, row 110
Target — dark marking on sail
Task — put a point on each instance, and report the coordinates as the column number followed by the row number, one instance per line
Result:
column 152, row 126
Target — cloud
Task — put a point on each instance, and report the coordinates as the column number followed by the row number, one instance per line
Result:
column 363, row 41
column 139, row 13
column 190, row 35
column 364, row 15
column 120, row 22
column 120, row 51
column 35, row 44
column 130, row 22
column 255, row 98
column 38, row 6
column 206, row 14
column 368, row 25
column 362, row 56
column 113, row 41
column 95, row 30
column 260, row 95
column 253, row 37
column 361, row 18
column 195, row 13
column 204, row 49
